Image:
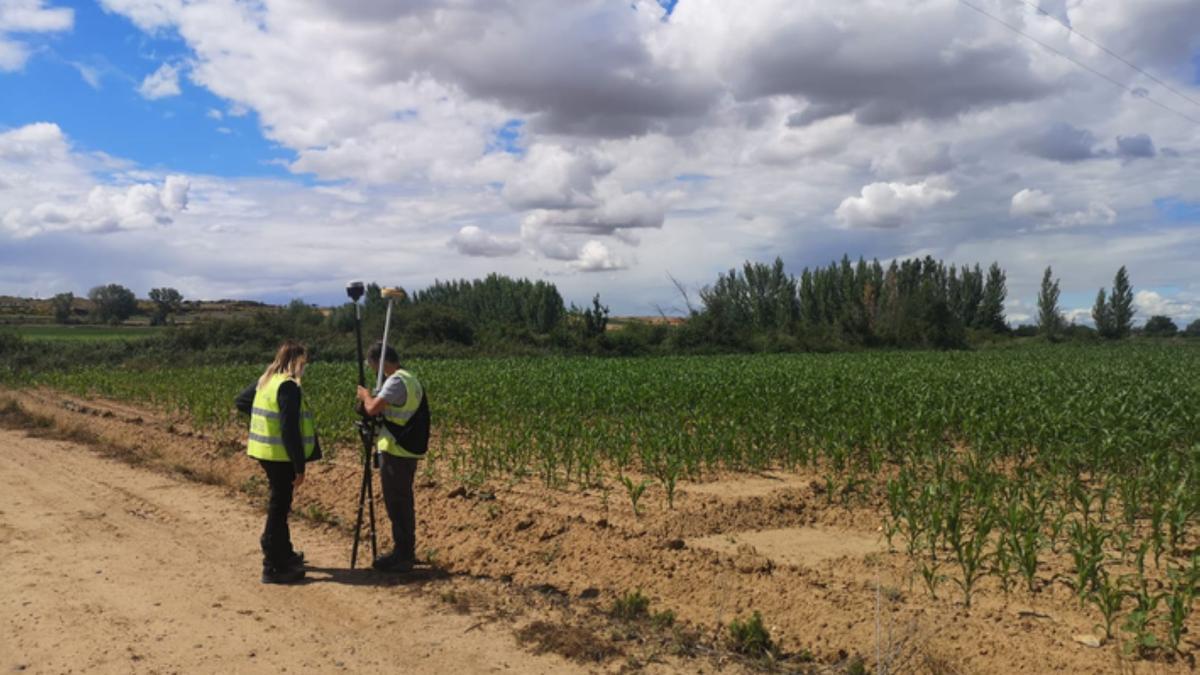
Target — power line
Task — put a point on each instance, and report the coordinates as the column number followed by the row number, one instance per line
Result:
column 1113, row 54
column 1079, row 63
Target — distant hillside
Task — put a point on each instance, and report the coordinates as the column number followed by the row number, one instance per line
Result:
column 14, row 310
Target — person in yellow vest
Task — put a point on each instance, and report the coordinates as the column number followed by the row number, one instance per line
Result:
column 403, row 439
column 282, row 438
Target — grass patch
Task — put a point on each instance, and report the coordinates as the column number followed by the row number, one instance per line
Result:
column 751, row 638
column 85, row 333
column 663, row 619
column 573, row 642
column 254, row 486
column 204, row 475
column 13, row 416
column 462, row 602
column 317, row 513
column 630, row 606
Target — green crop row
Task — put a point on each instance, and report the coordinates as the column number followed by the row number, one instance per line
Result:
column 989, row 462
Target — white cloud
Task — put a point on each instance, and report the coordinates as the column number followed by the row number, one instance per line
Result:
column 1151, row 303
column 473, row 241
column 920, row 160
column 55, row 190
column 1031, row 202
column 38, row 141
column 105, row 209
column 162, row 83
column 596, row 257
column 729, row 131
column 27, row 16
column 1079, row 315
column 90, row 74
column 174, row 196
column 550, row 177
column 1096, row 213
column 891, row 204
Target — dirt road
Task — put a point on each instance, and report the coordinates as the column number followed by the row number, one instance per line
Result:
column 109, row 568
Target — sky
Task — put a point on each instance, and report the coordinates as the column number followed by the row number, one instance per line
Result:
column 276, row 149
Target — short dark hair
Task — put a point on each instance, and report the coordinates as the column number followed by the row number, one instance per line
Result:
column 390, row 354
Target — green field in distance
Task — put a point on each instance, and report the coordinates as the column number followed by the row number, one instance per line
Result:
column 83, row 333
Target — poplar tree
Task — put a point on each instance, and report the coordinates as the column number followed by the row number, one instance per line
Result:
column 991, row 309
column 1122, row 305
column 1102, row 315
column 1049, row 317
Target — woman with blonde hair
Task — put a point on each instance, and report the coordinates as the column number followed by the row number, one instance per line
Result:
column 282, row 438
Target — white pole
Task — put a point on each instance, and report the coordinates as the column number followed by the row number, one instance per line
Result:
column 387, row 322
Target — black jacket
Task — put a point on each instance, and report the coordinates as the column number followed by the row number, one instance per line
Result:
column 288, row 397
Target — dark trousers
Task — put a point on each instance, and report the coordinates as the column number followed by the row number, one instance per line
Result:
column 276, row 537
column 396, row 476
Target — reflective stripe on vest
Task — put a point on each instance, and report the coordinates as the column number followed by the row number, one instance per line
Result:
column 401, row 415
column 265, row 440
column 272, row 415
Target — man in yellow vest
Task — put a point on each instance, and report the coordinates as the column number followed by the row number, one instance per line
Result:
column 403, row 439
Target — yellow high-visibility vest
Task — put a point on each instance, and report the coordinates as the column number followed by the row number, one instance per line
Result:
column 266, row 425
column 400, row 415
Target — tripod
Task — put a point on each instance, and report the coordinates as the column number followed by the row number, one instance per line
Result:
column 366, row 432
column 368, row 426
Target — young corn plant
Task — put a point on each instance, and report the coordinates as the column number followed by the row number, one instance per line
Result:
column 1179, row 513
column 1108, row 598
column 1158, row 514
column 1179, row 597
column 1003, row 559
column 634, row 491
column 970, row 548
column 1138, row 622
column 1087, row 551
column 667, row 472
column 929, row 573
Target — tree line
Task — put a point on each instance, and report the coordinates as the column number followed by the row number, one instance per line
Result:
column 912, row 303
column 115, row 304
column 919, row 302
column 1112, row 313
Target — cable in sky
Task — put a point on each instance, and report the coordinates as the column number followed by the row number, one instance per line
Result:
column 1113, row 54
column 1079, row 63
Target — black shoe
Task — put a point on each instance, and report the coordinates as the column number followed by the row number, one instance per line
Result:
column 296, row 559
column 274, row 575
column 392, row 563
column 384, row 561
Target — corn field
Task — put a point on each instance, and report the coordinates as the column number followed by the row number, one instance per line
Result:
column 986, row 465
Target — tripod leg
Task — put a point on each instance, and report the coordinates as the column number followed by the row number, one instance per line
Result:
column 362, row 497
column 371, row 508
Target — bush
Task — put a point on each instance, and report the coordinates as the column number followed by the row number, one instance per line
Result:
column 750, row 637
column 113, row 303
column 1160, row 326
column 1078, row 333
column 1193, row 329
column 61, row 304
column 632, row 605
column 434, row 324
column 632, row 339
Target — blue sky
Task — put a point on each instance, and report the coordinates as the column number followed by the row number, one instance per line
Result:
column 111, row 117
column 605, row 146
